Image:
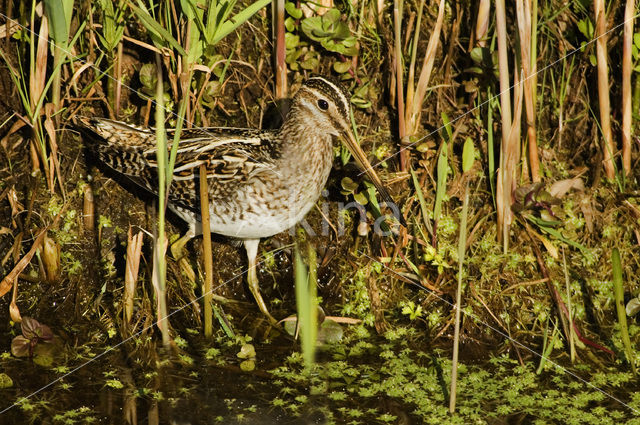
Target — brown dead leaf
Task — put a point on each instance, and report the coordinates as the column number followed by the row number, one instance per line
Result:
column 549, row 246
column 562, row 187
column 134, row 250
column 17, row 125
column 586, row 206
column 51, row 258
column 632, row 208
column 16, row 206
column 54, row 166
column 39, row 76
column 14, row 311
column 9, row 280
column 88, row 208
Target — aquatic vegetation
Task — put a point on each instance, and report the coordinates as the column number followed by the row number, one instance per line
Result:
column 33, row 333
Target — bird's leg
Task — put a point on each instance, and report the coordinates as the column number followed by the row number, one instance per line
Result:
column 251, row 245
column 177, row 250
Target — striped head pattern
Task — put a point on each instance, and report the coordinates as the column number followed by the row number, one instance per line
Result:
column 326, row 103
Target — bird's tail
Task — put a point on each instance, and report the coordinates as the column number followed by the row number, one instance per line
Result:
column 122, row 147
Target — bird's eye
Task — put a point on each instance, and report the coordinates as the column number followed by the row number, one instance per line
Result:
column 323, row 104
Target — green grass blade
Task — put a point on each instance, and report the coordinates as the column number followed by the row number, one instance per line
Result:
column 59, row 16
column 618, row 292
column 491, row 160
column 423, row 204
column 240, row 18
column 441, row 184
column 158, row 33
column 306, row 303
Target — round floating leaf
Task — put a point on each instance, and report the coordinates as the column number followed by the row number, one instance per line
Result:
column 290, row 326
column 310, row 61
column 247, row 365
column 292, row 10
column 331, row 332
column 43, row 360
column 292, row 56
column 341, row 67
column 312, row 27
column 290, row 24
column 5, row 381
column 247, row 351
column 348, row 185
column 360, row 198
column 291, row 41
column 633, row 307
column 148, row 77
column 31, row 328
column 21, row 346
column 470, row 86
column 422, row 147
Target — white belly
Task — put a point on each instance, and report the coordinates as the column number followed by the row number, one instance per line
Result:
column 257, row 220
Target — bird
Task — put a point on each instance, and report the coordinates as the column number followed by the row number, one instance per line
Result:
column 260, row 182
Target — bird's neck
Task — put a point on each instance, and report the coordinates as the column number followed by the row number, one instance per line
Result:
column 306, row 149
column 303, row 138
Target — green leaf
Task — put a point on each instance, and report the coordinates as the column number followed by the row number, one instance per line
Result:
column 326, row 28
column 348, row 185
column 189, row 9
column 556, row 234
column 586, row 28
column 310, row 61
column 217, row 19
column 364, row 104
column 292, row 56
column 360, row 198
column 447, row 125
column 477, row 55
column 292, row 10
column 290, row 24
column 339, row 47
column 307, row 304
column 238, row 19
column 441, row 183
column 342, row 32
column 112, row 25
column 160, row 36
column 341, row 67
column 312, row 27
column 468, row 155
column 332, row 17
column 291, row 41
column 58, row 13
column 421, row 200
column 349, row 41
column 374, row 206
column 148, row 77
column 618, row 292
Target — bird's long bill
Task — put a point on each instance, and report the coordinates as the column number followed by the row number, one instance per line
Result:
column 363, row 163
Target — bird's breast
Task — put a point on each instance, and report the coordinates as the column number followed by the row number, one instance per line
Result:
column 276, row 198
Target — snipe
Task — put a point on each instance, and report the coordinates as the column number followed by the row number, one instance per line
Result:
column 261, row 182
